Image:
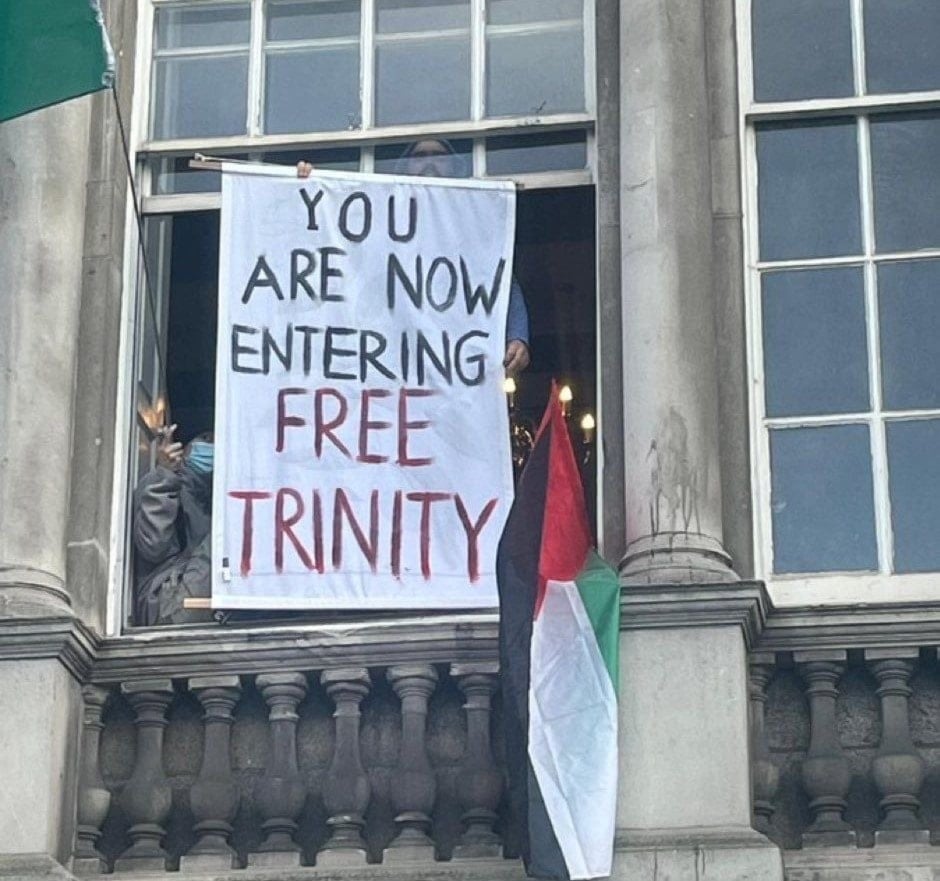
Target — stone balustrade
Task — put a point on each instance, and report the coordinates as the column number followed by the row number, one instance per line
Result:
column 334, row 767
column 845, row 748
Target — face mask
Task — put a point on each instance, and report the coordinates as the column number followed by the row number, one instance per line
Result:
column 200, row 457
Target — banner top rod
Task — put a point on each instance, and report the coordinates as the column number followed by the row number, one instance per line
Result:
column 202, row 162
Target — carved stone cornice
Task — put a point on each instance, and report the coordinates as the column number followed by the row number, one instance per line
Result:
column 64, row 638
column 743, row 603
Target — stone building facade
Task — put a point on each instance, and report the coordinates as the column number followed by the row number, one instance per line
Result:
column 764, row 229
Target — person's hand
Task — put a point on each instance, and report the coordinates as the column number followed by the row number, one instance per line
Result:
column 517, row 357
column 304, row 169
column 169, row 451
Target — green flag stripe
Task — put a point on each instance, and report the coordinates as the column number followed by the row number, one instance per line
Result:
column 599, row 589
column 50, row 51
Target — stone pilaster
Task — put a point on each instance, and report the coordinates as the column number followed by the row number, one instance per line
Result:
column 670, row 384
column 414, row 784
column 825, row 772
column 684, row 772
column 281, row 793
column 480, row 782
column 94, row 798
column 346, row 789
column 214, row 796
column 766, row 775
column 146, row 798
column 898, row 769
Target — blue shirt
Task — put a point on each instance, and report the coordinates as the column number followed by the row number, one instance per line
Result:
column 517, row 318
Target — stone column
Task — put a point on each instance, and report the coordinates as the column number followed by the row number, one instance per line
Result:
column 214, row 796
column 670, row 386
column 94, row 798
column 826, row 774
column 897, row 768
column 414, row 786
column 480, row 782
column 146, row 798
column 281, row 793
column 766, row 775
column 346, row 789
column 42, row 205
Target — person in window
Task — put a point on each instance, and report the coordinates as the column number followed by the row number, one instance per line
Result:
column 172, row 534
column 436, row 157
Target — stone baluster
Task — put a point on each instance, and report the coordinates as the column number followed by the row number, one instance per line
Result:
column 94, row 798
column 346, row 788
column 826, row 775
column 897, row 768
column 413, row 787
column 214, row 796
column 147, row 798
column 765, row 774
column 480, row 781
column 281, row 794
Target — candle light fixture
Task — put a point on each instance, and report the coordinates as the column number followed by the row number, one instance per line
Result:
column 565, row 396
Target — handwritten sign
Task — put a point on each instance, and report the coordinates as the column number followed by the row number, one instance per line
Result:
column 362, row 452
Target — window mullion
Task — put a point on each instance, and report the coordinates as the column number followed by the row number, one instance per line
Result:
column 367, row 62
column 256, row 68
column 878, row 442
column 477, row 59
column 858, row 47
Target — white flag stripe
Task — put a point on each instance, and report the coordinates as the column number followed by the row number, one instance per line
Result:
column 573, row 732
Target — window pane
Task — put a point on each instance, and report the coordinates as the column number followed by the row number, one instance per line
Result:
column 518, row 154
column 200, row 97
column 521, row 11
column 901, row 40
column 328, row 100
column 390, row 159
column 914, row 469
column 808, row 190
column 823, row 512
column 909, row 310
column 802, row 49
column 340, row 159
column 535, row 73
column 188, row 27
column 405, row 16
column 815, row 350
column 907, row 186
column 421, row 81
column 172, row 174
column 310, row 21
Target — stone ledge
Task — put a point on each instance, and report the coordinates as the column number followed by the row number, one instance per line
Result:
column 455, row 870
column 852, row 626
column 64, row 638
column 210, row 651
column 745, row 604
column 909, row 862
column 32, row 867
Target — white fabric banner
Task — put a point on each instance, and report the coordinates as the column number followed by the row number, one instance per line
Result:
column 362, row 440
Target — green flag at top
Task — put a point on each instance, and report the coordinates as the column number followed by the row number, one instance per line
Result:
column 50, row 51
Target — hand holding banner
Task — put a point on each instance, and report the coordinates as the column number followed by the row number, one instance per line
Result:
column 361, row 430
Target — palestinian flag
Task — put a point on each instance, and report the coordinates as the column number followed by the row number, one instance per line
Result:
column 50, row 51
column 559, row 628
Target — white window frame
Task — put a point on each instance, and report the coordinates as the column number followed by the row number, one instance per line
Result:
column 369, row 135
column 831, row 588
column 366, row 138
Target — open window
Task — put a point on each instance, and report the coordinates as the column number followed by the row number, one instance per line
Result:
column 224, row 78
